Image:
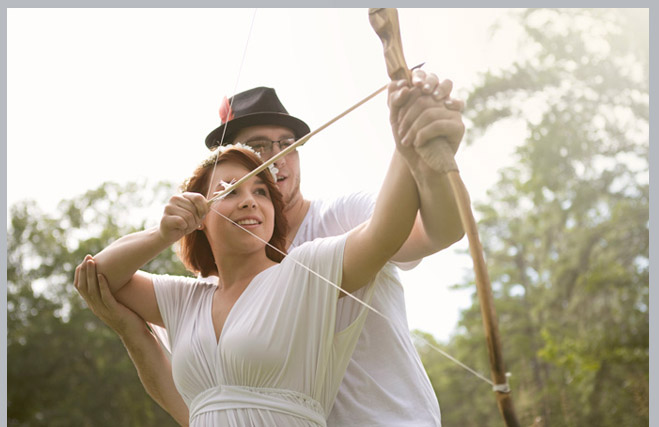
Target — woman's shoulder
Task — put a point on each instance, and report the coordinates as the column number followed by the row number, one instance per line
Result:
column 191, row 284
column 321, row 248
column 317, row 243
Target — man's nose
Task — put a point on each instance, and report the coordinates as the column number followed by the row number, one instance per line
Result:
column 281, row 161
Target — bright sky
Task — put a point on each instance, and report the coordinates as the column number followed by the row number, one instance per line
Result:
column 98, row 95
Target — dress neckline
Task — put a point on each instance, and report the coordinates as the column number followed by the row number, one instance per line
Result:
column 214, row 334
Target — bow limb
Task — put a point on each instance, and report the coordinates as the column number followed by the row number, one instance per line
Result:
column 439, row 156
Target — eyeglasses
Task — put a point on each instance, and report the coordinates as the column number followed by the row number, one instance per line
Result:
column 264, row 146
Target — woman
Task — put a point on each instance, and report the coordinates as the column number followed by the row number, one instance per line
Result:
column 263, row 346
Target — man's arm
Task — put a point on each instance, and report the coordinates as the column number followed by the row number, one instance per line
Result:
column 152, row 364
column 422, row 114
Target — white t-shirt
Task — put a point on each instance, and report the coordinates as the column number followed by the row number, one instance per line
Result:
column 279, row 359
column 385, row 383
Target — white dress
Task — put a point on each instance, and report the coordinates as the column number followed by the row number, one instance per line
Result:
column 280, row 358
column 372, row 393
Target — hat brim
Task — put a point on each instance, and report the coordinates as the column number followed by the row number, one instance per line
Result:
column 214, row 138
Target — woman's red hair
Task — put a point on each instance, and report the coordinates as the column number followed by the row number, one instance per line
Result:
column 195, row 251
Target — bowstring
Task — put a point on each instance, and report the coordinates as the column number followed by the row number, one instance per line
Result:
column 235, row 87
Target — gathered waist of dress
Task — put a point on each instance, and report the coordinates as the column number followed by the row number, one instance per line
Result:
column 288, row 402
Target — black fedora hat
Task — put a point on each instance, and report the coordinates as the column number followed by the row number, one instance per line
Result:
column 253, row 107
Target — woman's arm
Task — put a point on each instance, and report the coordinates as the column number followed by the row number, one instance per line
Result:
column 415, row 213
column 369, row 246
column 119, row 262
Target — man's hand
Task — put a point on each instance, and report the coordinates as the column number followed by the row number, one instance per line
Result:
column 95, row 291
column 423, row 113
column 425, row 121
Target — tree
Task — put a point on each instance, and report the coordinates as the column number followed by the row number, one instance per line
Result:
column 565, row 230
column 65, row 367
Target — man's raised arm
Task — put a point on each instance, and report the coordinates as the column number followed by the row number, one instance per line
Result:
column 422, row 114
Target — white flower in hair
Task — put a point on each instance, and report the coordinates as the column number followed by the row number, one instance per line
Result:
column 273, row 170
column 225, row 147
column 225, row 185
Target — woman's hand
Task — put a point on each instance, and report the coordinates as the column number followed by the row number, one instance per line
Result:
column 183, row 214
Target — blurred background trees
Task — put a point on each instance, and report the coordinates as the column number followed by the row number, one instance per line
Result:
column 65, row 367
column 565, row 230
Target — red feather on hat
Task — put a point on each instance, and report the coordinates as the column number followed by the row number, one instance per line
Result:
column 226, row 113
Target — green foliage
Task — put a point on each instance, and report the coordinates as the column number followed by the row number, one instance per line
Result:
column 565, row 230
column 65, row 367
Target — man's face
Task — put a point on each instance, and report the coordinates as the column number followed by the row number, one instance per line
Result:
column 288, row 177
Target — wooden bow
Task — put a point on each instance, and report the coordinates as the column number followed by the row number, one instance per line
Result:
column 439, row 156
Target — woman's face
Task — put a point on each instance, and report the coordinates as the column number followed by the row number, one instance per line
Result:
column 249, row 206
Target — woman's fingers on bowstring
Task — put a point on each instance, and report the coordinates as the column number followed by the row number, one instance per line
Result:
column 200, row 204
column 180, row 215
column 193, row 207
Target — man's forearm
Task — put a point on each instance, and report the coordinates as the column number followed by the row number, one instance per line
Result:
column 438, row 224
column 420, row 123
column 121, row 259
column 155, row 372
column 438, row 209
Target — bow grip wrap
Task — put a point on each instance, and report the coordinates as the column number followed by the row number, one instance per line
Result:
column 437, row 154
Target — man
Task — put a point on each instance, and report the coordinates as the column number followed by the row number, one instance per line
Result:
column 385, row 383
